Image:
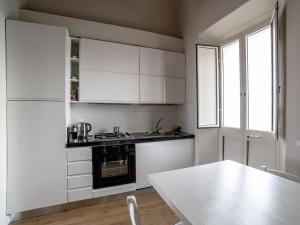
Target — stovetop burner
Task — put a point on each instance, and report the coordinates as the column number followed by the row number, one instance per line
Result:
column 109, row 135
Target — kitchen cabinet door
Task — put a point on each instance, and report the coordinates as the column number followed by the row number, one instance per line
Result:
column 37, row 172
column 174, row 90
column 108, row 87
column 108, row 56
column 162, row 63
column 36, row 57
column 154, row 157
column 151, row 89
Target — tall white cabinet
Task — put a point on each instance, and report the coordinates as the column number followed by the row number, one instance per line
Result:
column 36, row 70
column 35, row 61
column 36, row 156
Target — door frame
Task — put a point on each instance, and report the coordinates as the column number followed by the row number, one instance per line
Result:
column 243, row 131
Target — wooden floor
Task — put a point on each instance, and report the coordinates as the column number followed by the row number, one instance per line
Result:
column 153, row 211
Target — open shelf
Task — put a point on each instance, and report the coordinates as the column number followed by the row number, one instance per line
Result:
column 74, row 91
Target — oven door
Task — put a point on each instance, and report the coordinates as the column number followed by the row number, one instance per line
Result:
column 113, row 165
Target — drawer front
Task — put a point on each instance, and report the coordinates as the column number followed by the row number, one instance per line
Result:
column 77, row 168
column 80, row 194
column 80, row 181
column 79, row 154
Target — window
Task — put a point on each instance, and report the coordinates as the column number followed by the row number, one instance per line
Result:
column 231, row 85
column 249, row 81
column 259, row 75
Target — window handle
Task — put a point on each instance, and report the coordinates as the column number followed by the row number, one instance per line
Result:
column 254, row 136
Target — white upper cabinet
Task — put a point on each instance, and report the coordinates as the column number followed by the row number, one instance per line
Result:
column 109, row 72
column 118, row 73
column 108, row 87
column 174, row 90
column 108, row 56
column 162, row 76
column 162, row 63
column 36, row 57
column 151, row 89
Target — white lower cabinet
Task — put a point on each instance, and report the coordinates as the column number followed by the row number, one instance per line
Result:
column 151, row 157
column 80, row 178
column 162, row 156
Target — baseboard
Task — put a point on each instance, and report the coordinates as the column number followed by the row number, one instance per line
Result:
column 78, row 204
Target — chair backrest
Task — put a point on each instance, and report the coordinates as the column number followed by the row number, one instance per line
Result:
column 133, row 210
column 282, row 174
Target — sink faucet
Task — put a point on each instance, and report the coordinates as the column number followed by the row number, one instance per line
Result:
column 157, row 129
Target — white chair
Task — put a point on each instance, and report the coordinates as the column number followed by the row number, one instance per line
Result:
column 282, row 174
column 133, row 211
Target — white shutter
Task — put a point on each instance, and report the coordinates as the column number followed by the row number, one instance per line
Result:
column 207, row 86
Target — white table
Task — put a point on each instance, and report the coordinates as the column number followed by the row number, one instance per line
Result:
column 228, row 193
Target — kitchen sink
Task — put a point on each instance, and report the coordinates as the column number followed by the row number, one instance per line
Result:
column 161, row 134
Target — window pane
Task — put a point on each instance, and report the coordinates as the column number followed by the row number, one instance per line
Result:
column 231, row 85
column 259, row 80
column 207, row 75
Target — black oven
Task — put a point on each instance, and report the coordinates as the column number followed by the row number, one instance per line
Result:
column 113, row 165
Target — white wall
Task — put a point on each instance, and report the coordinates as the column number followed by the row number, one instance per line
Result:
column 131, row 118
column 103, row 31
column 292, row 88
column 195, row 17
column 8, row 8
column 159, row 16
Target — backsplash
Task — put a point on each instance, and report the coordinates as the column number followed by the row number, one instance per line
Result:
column 131, row 118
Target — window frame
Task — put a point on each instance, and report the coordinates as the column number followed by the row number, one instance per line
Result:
column 236, row 38
column 256, row 29
column 275, row 20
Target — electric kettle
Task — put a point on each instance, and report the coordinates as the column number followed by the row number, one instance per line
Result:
column 83, row 130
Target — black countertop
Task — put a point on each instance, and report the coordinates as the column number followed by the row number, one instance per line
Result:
column 132, row 139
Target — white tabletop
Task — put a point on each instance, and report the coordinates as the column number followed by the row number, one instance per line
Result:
column 228, row 193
